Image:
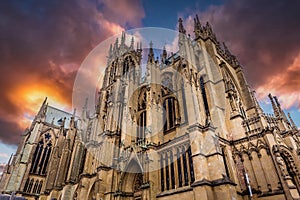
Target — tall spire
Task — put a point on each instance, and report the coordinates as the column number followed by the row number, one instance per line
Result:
column 43, row 109
column 132, row 43
column 277, row 104
column 180, row 27
column 275, row 109
column 151, row 53
column 292, row 121
column 85, row 109
column 117, row 44
column 123, row 37
column 197, row 27
column 110, row 51
column 282, row 114
column 164, row 54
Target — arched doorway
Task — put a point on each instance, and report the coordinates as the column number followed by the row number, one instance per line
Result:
column 287, row 169
column 131, row 182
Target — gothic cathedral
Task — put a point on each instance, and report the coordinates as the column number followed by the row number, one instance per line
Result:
column 189, row 128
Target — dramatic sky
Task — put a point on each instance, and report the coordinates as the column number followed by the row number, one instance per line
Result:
column 44, row 42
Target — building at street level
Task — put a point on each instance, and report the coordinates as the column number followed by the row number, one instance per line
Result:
column 188, row 128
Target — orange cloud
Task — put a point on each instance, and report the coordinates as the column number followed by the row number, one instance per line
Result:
column 28, row 99
column 39, row 63
column 285, row 85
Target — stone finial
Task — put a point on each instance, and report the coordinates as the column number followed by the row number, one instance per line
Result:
column 151, row 53
column 197, row 27
column 292, row 121
column 117, row 44
column 123, row 38
column 132, row 43
column 180, row 27
column 110, row 50
column 275, row 109
column 164, row 54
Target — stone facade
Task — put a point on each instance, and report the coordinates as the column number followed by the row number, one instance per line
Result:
column 191, row 128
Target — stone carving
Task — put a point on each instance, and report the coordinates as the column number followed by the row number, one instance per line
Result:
column 281, row 164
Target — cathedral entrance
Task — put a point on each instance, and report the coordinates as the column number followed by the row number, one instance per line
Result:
column 131, row 182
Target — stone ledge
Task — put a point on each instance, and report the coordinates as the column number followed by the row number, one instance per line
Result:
column 200, row 127
column 214, row 183
column 174, row 191
column 207, row 155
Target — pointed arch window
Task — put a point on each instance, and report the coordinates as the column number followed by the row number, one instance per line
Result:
column 30, row 186
column 185, row 167
column 192, row 175
column 40, row 187
column 169, row 115
column 162, row 180
column 36, row 157
column 142, row 126
column 35, row 186
column 128, row 63
column 204, row 96
column 179, row 167
column 26, row 185
column 167, row 172
column 41, row 156
column 172, row 170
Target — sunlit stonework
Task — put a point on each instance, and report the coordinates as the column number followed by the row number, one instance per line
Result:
column 190, row 128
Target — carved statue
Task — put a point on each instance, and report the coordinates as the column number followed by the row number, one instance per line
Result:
column 281, row 164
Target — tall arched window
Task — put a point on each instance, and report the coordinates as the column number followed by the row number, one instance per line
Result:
column 128, row 63
column 172, row 170
column 167, row 172
column 169, row 115
column 179, row 167
column 41, row 156
column 162, row 168
column 36, row 185
column 185, row 167
column 36, row 157
column 192, row 175
column 30, row 186
column 204, row 96
column 46, row 156
column 141, row 126
column 40, row 187
column 26, row 185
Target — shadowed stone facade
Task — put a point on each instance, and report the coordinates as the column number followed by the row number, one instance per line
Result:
column 191, row 128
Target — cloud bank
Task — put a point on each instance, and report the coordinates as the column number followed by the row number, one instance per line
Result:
column 42, row 46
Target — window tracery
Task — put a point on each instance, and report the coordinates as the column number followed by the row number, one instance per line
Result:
column 182, row 162
column 169, row 115
column 41, row 155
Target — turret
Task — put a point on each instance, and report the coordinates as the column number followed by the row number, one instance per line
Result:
column 275, row 109
column 292, row 121
column 197, row 27
column 180, row 27
column 279, row 109
column 132, row 43
column 151, row 53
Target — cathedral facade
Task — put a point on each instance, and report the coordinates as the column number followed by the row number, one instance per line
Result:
column 190, row 128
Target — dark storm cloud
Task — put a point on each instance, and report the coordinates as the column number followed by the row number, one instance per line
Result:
column 42, row 46
column 9, row 133
column 263, row 34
